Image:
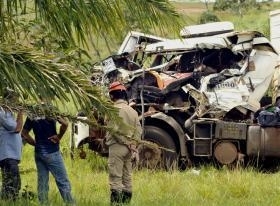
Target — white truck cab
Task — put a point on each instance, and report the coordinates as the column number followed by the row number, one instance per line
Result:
column 233, row 71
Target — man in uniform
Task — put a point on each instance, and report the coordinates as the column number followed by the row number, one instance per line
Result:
column 121, row 145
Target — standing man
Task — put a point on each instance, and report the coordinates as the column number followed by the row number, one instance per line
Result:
column 10, row 147
column 48, row 158
column 121, row 145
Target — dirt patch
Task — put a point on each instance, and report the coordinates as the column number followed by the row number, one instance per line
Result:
column 191, row 10
column 187, row 8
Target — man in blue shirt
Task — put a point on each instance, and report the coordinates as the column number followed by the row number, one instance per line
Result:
column 10, row 148
column 47, row 154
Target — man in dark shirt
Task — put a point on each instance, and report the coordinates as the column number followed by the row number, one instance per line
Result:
column 47, row 155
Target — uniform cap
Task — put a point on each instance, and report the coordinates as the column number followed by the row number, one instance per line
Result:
column 117, row 86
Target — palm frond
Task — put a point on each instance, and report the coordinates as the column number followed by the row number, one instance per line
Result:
column 32, row 73
column 76, row 20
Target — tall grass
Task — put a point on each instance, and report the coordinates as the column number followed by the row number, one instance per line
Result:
column 198, row 186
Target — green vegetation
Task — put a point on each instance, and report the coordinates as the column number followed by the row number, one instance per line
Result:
column 254, row 18
column 206, row 186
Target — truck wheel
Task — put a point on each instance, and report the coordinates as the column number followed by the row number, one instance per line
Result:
column 151, row 154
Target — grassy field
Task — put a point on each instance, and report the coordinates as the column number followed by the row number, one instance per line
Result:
column 252, row 19
column 196, row 186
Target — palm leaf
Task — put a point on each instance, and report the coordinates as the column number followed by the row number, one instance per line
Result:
column 76, row 20
column 34, row 73
column 30, row 71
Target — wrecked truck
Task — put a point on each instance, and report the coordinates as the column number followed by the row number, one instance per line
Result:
column 196, row 96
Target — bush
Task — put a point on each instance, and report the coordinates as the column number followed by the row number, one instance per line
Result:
column 236, row 6
column 208, row 16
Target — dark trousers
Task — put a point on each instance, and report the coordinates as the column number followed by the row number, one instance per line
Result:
column 11, row 181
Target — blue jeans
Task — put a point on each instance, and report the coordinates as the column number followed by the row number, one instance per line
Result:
column 52, row 163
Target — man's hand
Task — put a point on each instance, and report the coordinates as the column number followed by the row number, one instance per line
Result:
column 55, row 139
column 62, row 120
column 133, row 148
column 134, row 154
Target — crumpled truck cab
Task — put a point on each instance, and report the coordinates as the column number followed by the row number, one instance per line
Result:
column 196, row 94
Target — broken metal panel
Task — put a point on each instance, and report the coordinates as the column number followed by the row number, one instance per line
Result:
column 227, row 94
column 265, row 63
column 188, row 44
column 244, row 36
column 211, row 42
column 265, row 42
column 208, row 29
column 242, row 47
column 232, row 88
column 134, row 39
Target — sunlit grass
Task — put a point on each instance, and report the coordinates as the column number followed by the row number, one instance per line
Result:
column 196, row 186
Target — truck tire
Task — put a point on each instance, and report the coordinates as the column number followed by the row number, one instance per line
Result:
column 151, row 155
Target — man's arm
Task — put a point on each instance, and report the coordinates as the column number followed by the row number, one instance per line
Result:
column 7, row 122
column 63, row 126
column 26, row 136
column 62, row 130
column 25, row 132
column 19, row 121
